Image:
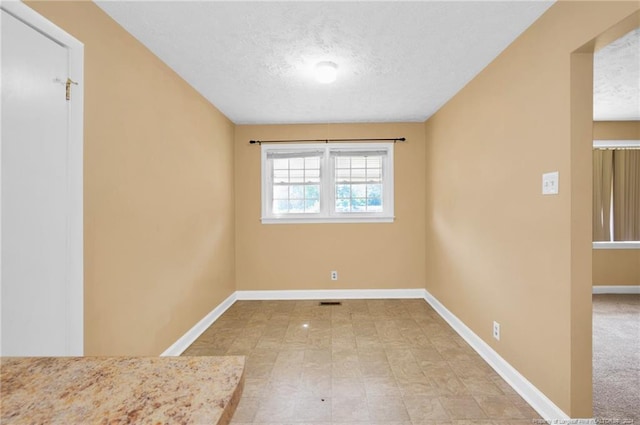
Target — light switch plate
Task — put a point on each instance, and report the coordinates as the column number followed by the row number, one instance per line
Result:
column 550, row 183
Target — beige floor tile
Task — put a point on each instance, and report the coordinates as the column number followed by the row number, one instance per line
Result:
column 377, row 368
column 462, row 407
column 246, row 410
column 425, row 388
column 346, row 369
column 424, row 408
column 387, row 408
column 372, row 355
column 275, row 409
column 254, row 388
column 258, row 370
column 317, row 357
column 347, row 409
column 499, row 407
column 315, row 384
column 312, row 409
column 391, row 362
column 347, row 387
column 381, row 386
column 524, row 407
column 449, row 385
column 481, row 386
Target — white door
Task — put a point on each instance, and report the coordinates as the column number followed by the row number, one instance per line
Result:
column 36, row 310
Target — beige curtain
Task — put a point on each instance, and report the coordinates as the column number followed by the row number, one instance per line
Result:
column 626, row 195
column 602, row 183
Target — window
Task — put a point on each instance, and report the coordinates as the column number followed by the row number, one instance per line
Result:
column 321, row 183
column 616, row 194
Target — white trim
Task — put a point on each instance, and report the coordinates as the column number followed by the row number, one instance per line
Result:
column 616, row 289
column 612, row 144
column 536, row 399
column 75, row 262
column 330, row 294
column 617, row 245
column 192, row 334
column 310, row 220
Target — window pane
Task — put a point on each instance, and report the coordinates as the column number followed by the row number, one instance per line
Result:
column 296, row 206
column 312, row 192
column 296, row 192
column 372, row 206
column 358, row 204
column 358, row 174
column 312, row 176
column 280, row 192
column 374, row 162
column 296, row 176
column 312, row 163
column 343, row 175
column 374, row 174
column 343, row 191
column 280, row 207
column 281, row 176
column 280, row 164
column 296, row 163
column 358, row 162
column 342, row 205
column 312, row 206
column 374, row 191
column 359, row 191
column 343, row 162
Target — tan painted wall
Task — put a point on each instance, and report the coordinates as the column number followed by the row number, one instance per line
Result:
column 498, row 249
column 616, row 130
column 366, row 256
column 616, row 266
column 158, row 192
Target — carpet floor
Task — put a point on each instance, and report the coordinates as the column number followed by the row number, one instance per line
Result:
column 616, row 358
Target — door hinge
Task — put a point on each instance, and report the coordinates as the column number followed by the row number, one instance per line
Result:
column 68, row 88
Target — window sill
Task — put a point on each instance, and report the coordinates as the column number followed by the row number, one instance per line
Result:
column 616, row 245
column 311, row 220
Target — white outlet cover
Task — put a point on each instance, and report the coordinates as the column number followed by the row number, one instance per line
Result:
column 550, row 183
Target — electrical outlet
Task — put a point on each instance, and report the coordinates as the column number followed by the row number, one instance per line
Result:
column 496, row 330
column 334, row 275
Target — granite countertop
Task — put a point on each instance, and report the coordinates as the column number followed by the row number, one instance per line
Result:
column 120, row 390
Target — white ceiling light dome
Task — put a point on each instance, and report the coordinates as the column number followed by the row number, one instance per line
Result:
column 326, row 72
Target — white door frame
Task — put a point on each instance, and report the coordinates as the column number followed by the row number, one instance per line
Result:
column 75, row 270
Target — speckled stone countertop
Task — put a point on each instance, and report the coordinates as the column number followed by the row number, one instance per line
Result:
column 120, row 390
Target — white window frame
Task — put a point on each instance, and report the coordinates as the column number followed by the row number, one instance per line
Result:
column 327, row 212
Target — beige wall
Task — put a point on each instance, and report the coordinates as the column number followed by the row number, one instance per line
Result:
column 301, row 256
column 616, row 266
column 158, row 192
column 498, row 249
column 616, row 130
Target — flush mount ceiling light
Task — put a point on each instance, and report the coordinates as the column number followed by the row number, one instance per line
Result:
column 326, row 72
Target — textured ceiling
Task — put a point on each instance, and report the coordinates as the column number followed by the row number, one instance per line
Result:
column 398, row 61
column 616, row 80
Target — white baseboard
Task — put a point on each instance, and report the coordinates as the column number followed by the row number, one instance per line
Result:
column 331, row 294
column 536, row 399
column 617, row 289
column 192, row 334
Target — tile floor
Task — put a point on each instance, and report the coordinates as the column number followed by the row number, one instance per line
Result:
column 393, row 362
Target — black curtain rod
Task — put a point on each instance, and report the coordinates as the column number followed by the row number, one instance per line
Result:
column 259, row 142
